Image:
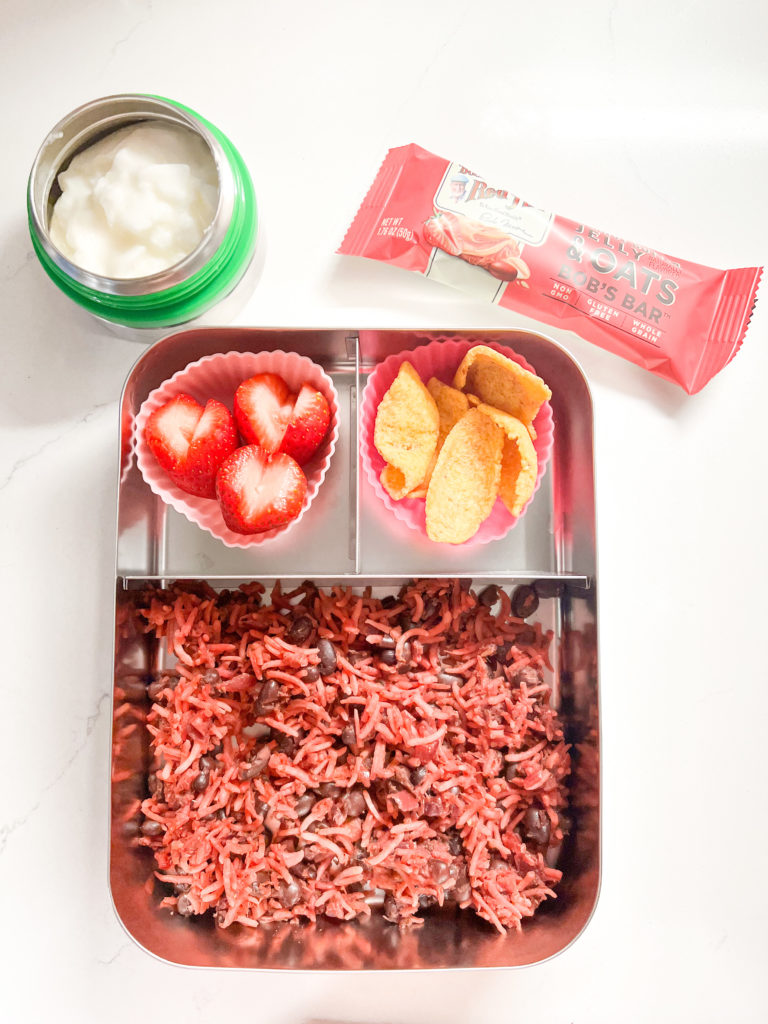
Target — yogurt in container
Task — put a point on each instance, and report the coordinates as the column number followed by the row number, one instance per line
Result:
column 142, row 212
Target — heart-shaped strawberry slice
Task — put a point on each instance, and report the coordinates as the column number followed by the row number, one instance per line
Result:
column 263, row 406
column 270, row 415
column 258, row 491
column 190, row 442
column 308, row 425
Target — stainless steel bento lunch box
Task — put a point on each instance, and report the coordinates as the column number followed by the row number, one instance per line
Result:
column 348, row 537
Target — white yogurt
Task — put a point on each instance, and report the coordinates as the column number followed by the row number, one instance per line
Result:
column 135, row 202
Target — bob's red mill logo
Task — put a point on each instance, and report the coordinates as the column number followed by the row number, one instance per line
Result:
column 479, row 189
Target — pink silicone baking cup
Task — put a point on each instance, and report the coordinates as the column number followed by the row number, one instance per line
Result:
column 441, row 359
column 218, row 376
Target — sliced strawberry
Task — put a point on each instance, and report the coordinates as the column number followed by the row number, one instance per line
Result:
column 259, row 492
column 215, row 438
column 170, row 429
column 308, row 425
column 263, row 406
column 190, row 442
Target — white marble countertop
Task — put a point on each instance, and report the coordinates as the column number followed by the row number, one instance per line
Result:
column 650, row 119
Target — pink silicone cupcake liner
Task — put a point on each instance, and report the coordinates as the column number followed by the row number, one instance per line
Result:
column 218, row 376
column 441, row 359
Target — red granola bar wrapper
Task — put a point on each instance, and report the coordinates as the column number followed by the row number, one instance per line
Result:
column 680, row 320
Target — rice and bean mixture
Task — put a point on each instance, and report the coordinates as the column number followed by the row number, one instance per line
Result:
column 327, row 752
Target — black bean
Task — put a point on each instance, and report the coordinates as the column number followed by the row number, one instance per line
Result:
column 211, row 677
column 152, row 828
column 261, row 808
column 221, row 814
column 433, row 807
column 527, row 675
column 156, row 787
column 304, row 804
column 524, row 601
column 389, row 601
column 155, row 689
column 549, row 588
column 304, row 869
column 404, row 621
column 289, row 894
column 537, row 825
column 207, row 763
column 390, row 911
column 181, row 887
column 288, row 745
column 327, row 653
column 299, row 630
column 253, row 768
column 268, row 696
column 311, row 674
column 328, row 789
column 184, row 906
column 418, row 775
column 426, row 901
column 354, row 803
column 388, row 657
column 510, row 771
column 455, row 844
column 439, row 871
column 446, row 679
column 200, row 782
column 431, row 609
column 348, row 736
column 502, row 653
column 489, row 596
column 386, row 643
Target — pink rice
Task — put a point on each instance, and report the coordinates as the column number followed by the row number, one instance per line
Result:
column 439, row 779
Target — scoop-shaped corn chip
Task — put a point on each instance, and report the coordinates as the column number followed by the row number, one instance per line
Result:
column 474, row 402
column 451, row 406
column 465, row 480
column 519, row 462
column 393, row 482
column 421, row 490
column 502, row 383
column 406, row 430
